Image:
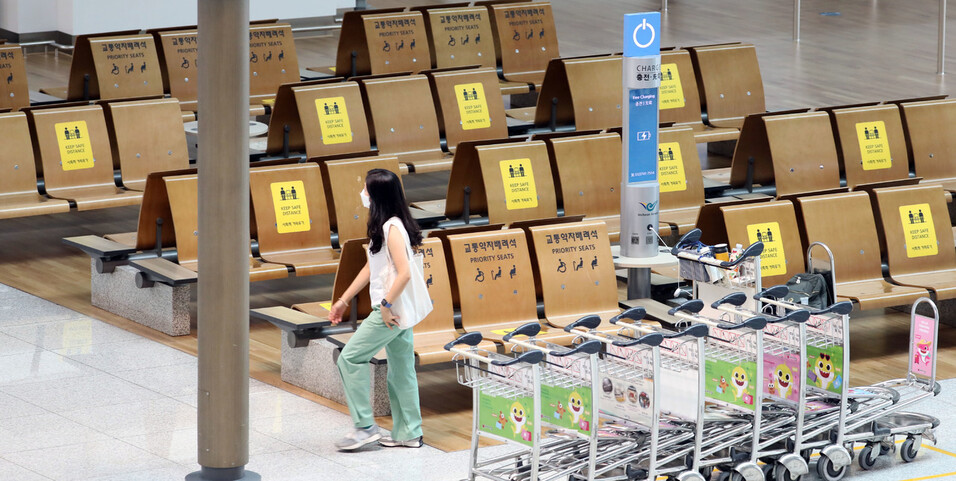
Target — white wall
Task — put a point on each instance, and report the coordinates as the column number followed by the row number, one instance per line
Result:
column 77, row 17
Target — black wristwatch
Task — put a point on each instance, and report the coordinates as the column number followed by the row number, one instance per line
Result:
column 386, row 304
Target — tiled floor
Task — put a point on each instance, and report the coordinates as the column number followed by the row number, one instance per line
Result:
column 83, row 400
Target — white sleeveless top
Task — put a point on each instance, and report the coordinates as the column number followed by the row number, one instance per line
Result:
column 381, row 268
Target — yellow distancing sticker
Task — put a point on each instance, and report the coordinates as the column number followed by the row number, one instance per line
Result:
column 334, row 120
column 518, row 180
column 472, row 106
column 772, row 260
column 269, row 102
column 76, row 151
column 672, row 94
column 874, row 146
column 292, row 211
column 670, row 168
column 919, row 233
column 326, row 305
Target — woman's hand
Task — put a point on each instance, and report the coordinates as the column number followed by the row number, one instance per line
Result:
column 388, row 318
column 338, row 309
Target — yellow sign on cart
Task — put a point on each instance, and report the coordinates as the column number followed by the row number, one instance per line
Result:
column 292, row 211
column 672, row 94
column 874, row 146
column 670, row 168
column 518, row 179
column 472, row 106
column 76, row 150
column 772, row 260
column 334, row 120
column 919, row 233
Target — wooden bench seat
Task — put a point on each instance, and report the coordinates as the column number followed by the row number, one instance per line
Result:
column 118, row 65
column 845, row 223
column 343, row 180
column 920, row 250
column 468, row 105
column 14, row 89
column 929, row 137
column 146, row 136
column 404, row 122
column 73, row 154
column 680, row 98
column 292, row 220
column 730, row 83
column 680, row 178
column 18, row 182
column 525, row 40
column 872, row 144
column 783, row 255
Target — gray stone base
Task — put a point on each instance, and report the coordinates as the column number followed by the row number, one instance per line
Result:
column 161, row 307
column 313, row 368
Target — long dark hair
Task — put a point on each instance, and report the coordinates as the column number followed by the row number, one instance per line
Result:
column 387, row 201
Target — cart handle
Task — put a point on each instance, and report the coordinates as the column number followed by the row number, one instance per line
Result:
column 693, row 330
column 653, row 339
column 472, row 339
column 842, row 308
column 635, row 314
column 691, row 237
column 530, row 357
column 530, row 329
column 693, row 306
column 756, row 323
column 775, row 292
column 587, row 347
column 736, row 299
column 587, row 322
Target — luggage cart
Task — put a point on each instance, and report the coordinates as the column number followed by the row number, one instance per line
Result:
column 504, row 384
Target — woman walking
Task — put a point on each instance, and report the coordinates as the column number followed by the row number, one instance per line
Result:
column 391, row 230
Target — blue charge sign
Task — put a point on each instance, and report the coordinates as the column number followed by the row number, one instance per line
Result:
column 642, row 76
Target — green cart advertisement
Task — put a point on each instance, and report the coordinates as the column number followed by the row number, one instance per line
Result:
column 567, row 408
column 508, row 418
column 732, row 384
column 825, row 368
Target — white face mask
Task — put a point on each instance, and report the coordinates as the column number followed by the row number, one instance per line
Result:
column 366, row 200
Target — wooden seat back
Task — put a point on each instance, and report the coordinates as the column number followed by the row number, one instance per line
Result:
column 776, row 224
column 344, row 180
column 494, row 278
column 678, row 169
column 587, row 89
column 466, row 174
column 525, row 39
column 146, row 136
column 443, row 234
column 272, row 59
column 679, row 95
column 14, row 89
column 441, row 319
column 782, row 154
column 119, row 65
column 587, row 173
column 931, row 143
column 402, row 114
column 155, row 205
column 729, row 81
column 845, row 223
column 16, row 157
column 872, row 144
column 460, row 36
column 576, row 271
column 469, row 105
column 290, row 208
column 183, row 192
column 82, row 160
column 384, row 41
column 341, row 129
column 919, row 244
column 178, row 51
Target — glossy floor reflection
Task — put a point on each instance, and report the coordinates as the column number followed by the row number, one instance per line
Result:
column 83, row 400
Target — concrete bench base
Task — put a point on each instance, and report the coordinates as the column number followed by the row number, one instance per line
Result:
column 313, row 368
column 161, row 307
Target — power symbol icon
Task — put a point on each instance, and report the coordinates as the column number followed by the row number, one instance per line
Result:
column 644, row 26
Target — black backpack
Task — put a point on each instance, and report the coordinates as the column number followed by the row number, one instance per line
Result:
column 809, row 289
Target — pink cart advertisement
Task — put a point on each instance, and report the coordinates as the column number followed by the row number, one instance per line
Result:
column 782, row 376
column 924, row 338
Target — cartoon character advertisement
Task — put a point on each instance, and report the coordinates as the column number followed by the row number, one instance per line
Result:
column 782, row 376
column 924, row 336
column 627, row 399
column 825, row 368
column 508, row 418
column 732, row 384
column 567, row 408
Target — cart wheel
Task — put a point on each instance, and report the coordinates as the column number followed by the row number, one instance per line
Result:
column 849, row 449
column 868, row 458
column 909, row 450
column 707, row 473
column 781, row 473
column 884, row 449
column 827, row 472
column 767, row 471
column 723, row 476
column 735, row 476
